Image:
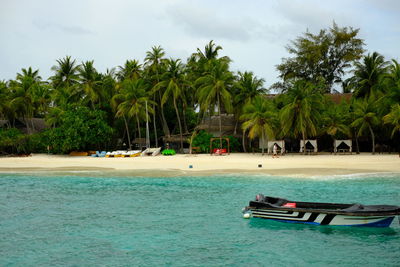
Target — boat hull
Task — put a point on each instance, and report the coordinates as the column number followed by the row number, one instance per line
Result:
column 318, row 218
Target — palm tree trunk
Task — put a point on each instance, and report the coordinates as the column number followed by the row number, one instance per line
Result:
column 184, row 119
column 138, row 126
column 373, row 139
column 127, row 132
column 32, row 124
column 235, row 129
column 28, row 130
column 262, row 141
column 304, row 142
column 155, row 126
column 163, row 120
column 220, row 122
column 358, row 148
column 243, row 141
column 334, row 145
column 179, row 123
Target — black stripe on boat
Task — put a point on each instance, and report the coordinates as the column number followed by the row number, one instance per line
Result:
column 328, row 218
column 312, row 218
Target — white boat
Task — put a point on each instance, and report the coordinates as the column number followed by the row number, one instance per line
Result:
column 279, row 209
column 151, row 151
column 131, row 153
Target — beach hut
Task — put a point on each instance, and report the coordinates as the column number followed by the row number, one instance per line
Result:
column 279, row 143
column 342, row 146
column 309, row 146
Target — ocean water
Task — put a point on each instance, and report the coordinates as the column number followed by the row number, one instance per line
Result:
column 86, row 220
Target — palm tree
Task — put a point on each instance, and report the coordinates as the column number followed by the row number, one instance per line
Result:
column 336, row 118
column 172, row 81
column 393, row 117
column 90, row 81
column 392, row 83
column 65, row 81
column 41, row 97
column 259, row 118
column 368, row 75
column 213, row 88
column 53, row 117
column 154, row 61
column 108, row 86
column 210, row 51
column 365, row 118
column 131, row 102
column 22, row 101
column 33, row 74
column 248, row 87
column 6, row 109
column 38, row 90
column 300, row 115
column 131, row 70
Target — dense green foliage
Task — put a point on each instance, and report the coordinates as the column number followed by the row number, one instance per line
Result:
column 80, row 129
column 88, row 110
column 322, row 57
column 10, row 139
column 202, row 140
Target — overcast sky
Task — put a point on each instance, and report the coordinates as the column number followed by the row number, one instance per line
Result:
column 253, row 33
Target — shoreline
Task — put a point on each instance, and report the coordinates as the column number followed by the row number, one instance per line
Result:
column 206, row 165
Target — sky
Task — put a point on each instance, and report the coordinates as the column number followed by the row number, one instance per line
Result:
column 253, row 33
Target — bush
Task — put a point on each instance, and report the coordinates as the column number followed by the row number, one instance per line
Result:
column 202, row 140
column 233, row 142
column 80, row 129
column 10, row 139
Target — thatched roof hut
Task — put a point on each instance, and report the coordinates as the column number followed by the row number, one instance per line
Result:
column 211, row 125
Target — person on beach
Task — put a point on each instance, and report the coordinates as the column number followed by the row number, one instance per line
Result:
column 275, row 151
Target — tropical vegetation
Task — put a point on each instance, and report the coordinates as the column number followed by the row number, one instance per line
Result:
column 86, row 109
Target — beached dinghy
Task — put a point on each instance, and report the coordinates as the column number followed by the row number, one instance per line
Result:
column 283, row 210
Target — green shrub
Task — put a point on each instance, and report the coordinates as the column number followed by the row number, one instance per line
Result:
column 233, row 142
column 10, row 140
column 202, row 140
column 80, row 129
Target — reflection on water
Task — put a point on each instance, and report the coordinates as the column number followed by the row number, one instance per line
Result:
column 272, row 225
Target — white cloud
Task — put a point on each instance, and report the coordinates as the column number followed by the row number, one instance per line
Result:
column 205, row 23
column 70, row 29
column 253, row 33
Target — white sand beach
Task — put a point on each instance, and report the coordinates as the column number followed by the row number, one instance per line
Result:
column 204, row 164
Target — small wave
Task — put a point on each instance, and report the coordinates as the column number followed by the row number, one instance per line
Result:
column 358, row 175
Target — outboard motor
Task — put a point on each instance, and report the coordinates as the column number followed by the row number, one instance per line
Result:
column 260, row 197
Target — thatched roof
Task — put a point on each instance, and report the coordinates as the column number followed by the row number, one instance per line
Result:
column 338, row 98
column 140, row 141
column 228, row 122
column 177, row 138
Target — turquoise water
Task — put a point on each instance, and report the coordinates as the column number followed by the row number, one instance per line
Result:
column 80, row 220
